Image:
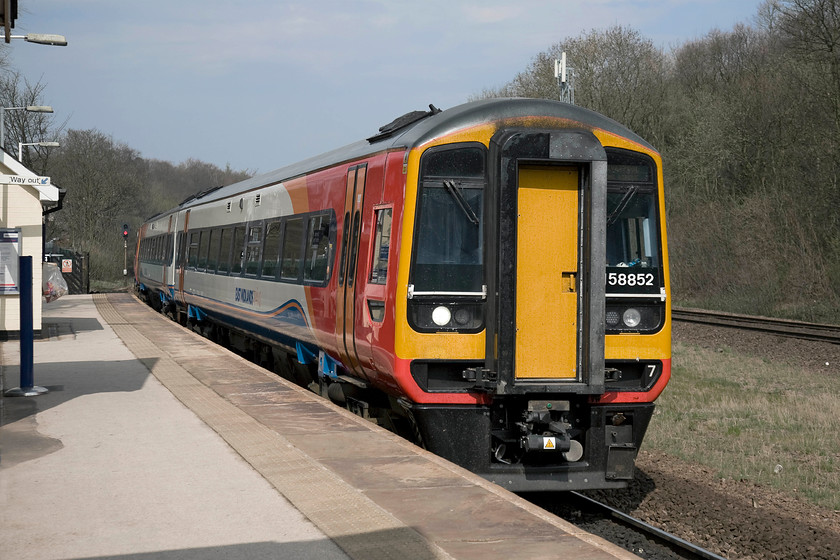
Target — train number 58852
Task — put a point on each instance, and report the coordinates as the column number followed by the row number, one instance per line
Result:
column 630, row 279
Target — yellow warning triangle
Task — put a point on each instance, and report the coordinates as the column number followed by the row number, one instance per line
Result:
column 549, row 443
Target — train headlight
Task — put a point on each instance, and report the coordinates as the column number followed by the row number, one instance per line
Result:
column 449, row 316
column 632, row 318
column 441, row 316
column 463, row 316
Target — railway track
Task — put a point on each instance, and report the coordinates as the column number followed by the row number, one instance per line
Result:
column 783, row 327
column 626, row 531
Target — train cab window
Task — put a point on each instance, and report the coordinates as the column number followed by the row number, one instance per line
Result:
column 238, row 250
column 224, row 251
column 632, row 212
column 381, row 247
column 253, row 250
column 448, row 254
column 204, row 249
column 195, row 239
column 318, row 246
column 292, row 258
column 213, row 254
column 271, row 250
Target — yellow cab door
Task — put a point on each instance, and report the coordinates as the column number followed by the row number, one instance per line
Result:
column 547, row 249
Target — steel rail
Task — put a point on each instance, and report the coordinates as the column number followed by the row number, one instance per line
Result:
column 785, row 327
column 649, row 530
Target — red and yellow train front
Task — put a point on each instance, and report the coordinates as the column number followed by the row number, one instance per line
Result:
column 533, row 320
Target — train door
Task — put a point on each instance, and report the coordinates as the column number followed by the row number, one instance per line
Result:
column 546, row 239
column 181, row 264
column 546, row 272
column 168, row 268
column 347, row 267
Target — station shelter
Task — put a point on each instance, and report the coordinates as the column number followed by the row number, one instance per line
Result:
column 25, row 199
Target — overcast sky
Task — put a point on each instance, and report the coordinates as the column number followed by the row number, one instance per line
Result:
column 258, row 84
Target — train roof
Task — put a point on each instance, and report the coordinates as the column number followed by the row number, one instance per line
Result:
column 416, row 128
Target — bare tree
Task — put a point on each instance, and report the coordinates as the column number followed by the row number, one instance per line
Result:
column 104, row 180
column 617, row 72
column 23, row 126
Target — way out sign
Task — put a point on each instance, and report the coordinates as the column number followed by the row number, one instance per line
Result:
column 33, row 181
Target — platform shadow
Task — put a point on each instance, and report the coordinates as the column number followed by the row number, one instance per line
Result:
column 19, row 437
column 376, row 544
column 59, row 326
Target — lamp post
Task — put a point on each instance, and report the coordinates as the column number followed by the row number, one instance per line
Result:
column 42, row 144
column 42, row 39
column 28, row 109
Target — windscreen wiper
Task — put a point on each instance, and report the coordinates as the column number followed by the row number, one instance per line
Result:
column 622, row 204
column 462, row 202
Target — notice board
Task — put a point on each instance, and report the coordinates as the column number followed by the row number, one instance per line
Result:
column 9, row 253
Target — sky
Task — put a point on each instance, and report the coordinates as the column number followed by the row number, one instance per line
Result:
column 259, row 84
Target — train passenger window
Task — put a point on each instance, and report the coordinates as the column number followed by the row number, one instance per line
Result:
column 381, row 247
column 182, row 240
column 213, row 255
column 253, row 250
column 292, row 258
column 271, row 250
column 204, row 249
column 317, row 248
column 224, row 251
column 195, row 239
column 238, row 250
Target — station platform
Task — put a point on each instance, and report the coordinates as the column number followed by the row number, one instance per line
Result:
column 156, row 443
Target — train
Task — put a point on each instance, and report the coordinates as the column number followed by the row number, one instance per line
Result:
column 490, row 280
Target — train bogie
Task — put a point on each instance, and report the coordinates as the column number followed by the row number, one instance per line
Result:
column 490, row 279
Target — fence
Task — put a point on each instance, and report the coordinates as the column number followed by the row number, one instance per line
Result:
column 75, row 268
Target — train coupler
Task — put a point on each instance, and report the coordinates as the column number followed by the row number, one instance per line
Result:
column 549, row 441
column 547, row 430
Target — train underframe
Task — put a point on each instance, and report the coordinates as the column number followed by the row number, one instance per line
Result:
column 550, row 443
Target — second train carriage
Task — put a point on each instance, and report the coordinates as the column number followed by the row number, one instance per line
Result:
column 493, row 277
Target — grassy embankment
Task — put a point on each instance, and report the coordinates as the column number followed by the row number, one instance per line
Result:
column 748, row 418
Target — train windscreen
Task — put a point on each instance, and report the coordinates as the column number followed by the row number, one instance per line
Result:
column 448, row 254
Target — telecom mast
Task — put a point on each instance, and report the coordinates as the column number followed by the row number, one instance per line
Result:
column 565, row 79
